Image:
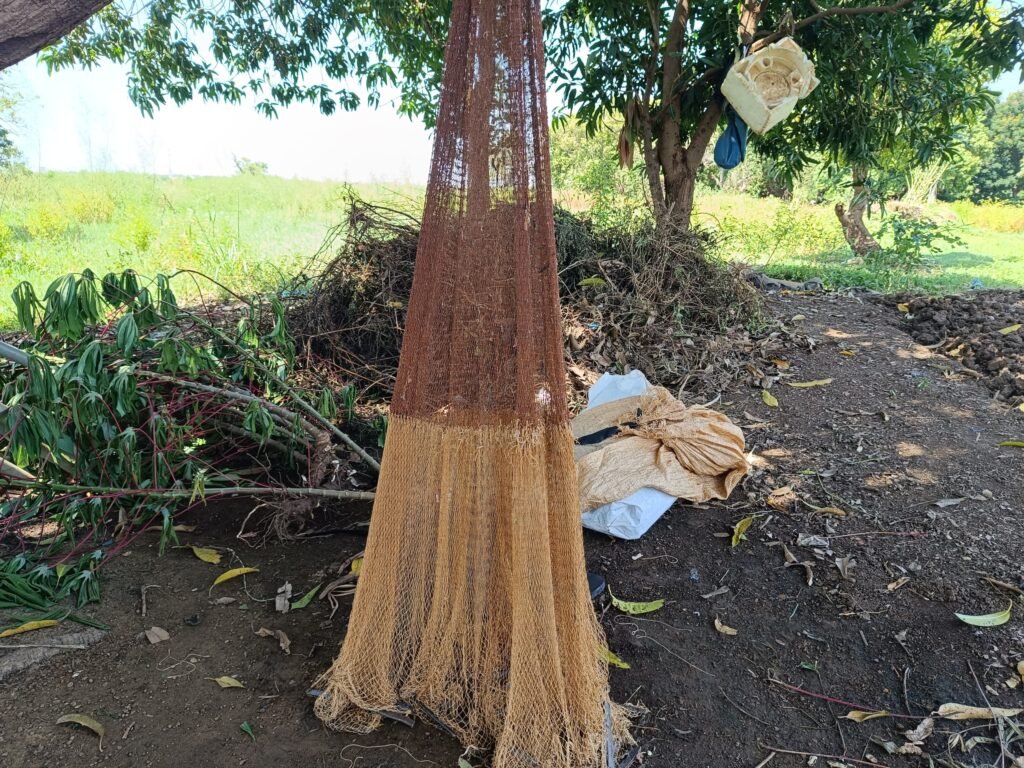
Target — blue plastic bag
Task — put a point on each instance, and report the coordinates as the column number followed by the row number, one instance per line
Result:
column 731, row 148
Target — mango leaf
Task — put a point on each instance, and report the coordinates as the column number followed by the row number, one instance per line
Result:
column 809, row 384
column 86, row 722
column 612, row 659
column 306, row 599
column 1010, row 329
column 1012, row 444
column 206, row 554
column 226, row 681
column 966, row 712
column 987, row 619
column 769, row 399
column 847, row 352
column 29, row 626
column 636, row 609
column 725, row 629
column 234, row 573
column 739, row 531
column 859, row 716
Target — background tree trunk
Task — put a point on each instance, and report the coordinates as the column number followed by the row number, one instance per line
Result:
column 27, row 26
column 855, row 230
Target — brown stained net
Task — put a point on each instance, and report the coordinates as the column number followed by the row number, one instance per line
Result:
column 483, row 340
column 472, row 610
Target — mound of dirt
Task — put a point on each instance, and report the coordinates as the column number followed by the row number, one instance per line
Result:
column 631, row 300
column 982, row 330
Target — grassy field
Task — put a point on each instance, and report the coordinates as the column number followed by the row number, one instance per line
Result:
column 254, row 233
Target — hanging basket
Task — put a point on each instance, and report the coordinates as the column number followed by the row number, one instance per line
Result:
column 764, row 87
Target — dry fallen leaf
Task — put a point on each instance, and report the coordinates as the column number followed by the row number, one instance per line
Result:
column 904, row 308
column 29, row 626
column 847, row 352
column 943, row 503
column 234, row 573
column 184, row 528
column 923, row 730
column 966, row 712
column 86, row 722
column 782, row 499
column 282, row 638
column 809, row 384
column 1020, row 669
column 780, row 363
column 845, row 565
column 206, row 554
column 894, row 585
column 910, row 749
column 226, row 682
column 720, row 591
column 223, row 601
column 724, row 628
column 1010, row 329
column 157, row 635
column 859, row 716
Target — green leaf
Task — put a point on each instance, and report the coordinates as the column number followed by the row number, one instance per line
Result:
column 306, row 599
column 739, row 531
column 247, row 730
column 612, row 659
column 636, row 609
column 987, row 619
column 1012, row 444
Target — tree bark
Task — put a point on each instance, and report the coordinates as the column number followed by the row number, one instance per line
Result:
column 855, row 230
column 27, row 26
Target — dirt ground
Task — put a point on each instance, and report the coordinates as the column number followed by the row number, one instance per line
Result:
column 897, row 430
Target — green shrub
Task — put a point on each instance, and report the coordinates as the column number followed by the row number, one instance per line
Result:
column 994, row 216
column 47, row 221
column 136, row 233
column 91, row 207
column 913, row 238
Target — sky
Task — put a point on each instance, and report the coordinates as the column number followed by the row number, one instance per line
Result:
column 83, row 120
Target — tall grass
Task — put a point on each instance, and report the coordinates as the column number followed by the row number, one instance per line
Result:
column 254, row 233
column 249, row 232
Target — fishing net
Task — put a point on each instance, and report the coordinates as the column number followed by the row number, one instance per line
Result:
column 473, row 610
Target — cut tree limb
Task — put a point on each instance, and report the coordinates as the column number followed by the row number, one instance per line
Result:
column 28, row 26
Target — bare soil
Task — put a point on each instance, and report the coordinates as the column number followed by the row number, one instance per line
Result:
column 898, row 428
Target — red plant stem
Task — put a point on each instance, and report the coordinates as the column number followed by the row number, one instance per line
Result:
column 823, row 697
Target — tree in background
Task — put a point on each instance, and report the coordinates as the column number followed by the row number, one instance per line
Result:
column 9, row 154
column 655, row 66
column 910, row 108
column 1000, row 168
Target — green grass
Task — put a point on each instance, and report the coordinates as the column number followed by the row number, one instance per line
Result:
column 797, row 242
column 253, row 233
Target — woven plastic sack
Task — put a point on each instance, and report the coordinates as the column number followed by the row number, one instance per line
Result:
column 472, row 609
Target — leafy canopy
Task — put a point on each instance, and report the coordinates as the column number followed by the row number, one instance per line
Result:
column 334, row 53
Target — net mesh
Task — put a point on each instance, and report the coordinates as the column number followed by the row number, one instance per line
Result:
column 472, row 608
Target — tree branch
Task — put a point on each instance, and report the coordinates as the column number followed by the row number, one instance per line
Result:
column 824, row 13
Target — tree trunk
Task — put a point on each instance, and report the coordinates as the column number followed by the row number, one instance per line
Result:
column 27, row 26
column 855, row 230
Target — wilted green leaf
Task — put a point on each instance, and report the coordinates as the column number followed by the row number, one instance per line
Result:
column 612, row 659
column 636, row 609
column 987, row 619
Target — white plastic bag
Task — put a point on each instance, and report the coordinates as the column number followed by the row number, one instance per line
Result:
column 631, row 517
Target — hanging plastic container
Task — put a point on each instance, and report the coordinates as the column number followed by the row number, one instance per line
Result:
column 764, row 87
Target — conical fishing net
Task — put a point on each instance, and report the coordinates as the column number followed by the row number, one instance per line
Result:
column 473, row 610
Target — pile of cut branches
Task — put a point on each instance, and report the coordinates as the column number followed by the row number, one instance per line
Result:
column 653, row 301
column 118, row 408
